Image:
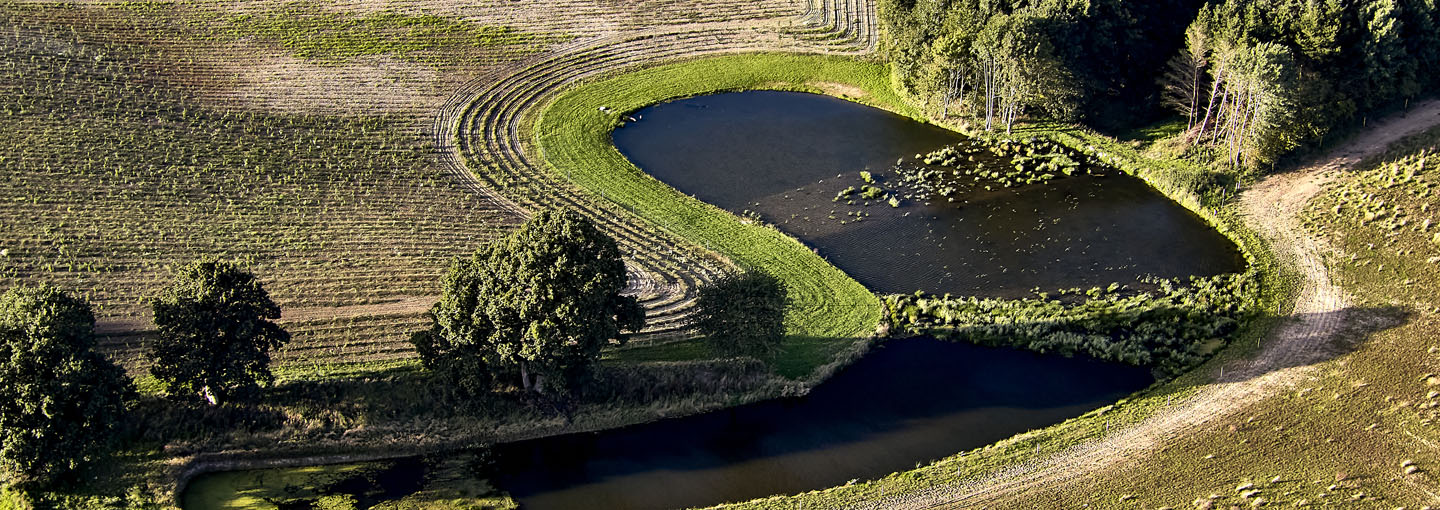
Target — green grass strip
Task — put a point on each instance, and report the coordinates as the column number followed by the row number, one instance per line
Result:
column 574, row 138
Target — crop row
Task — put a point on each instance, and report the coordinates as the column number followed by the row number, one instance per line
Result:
column 115, row 173
column 113, row 112
column 496, row 127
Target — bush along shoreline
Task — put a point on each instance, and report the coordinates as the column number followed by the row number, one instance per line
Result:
column 1169, row 326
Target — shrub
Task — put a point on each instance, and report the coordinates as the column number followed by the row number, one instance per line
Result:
column 742, row 313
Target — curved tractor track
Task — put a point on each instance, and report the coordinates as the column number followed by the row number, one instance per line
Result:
column 481, row 139
column 1287, row 357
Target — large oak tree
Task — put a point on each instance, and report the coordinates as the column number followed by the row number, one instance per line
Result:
column 216, row 331
column 59, row 400
column 534, row 307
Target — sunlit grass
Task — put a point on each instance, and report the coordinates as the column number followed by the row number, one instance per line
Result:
column 573, row 134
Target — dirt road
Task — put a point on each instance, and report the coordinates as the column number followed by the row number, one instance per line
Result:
column 1287, row 357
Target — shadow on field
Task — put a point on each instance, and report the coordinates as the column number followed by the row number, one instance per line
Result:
column 401, row 403
column 1314, row 338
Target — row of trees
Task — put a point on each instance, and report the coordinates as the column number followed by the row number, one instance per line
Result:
column 1254, row 79
column 993, row 60
column 61, row 401
column 1003, row 68
column 532, row 310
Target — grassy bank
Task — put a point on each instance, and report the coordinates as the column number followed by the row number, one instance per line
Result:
column 573, row 134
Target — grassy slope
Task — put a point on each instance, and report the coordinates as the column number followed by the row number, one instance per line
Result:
column 574, row 137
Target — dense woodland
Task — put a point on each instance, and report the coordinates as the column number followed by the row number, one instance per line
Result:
column 1254, row 81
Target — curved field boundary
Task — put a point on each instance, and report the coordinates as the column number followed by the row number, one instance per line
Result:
column 575, row 137
column 485, row 133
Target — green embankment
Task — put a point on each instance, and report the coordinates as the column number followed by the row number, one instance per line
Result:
column 574, row 137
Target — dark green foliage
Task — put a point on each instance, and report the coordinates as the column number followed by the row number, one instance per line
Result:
column 1170, row 328
column 534, row 307
column 1099, row 59
column 742, row 313
column 1286, row 74
column 59, row 399
column 215, row 332
column 1255, row 80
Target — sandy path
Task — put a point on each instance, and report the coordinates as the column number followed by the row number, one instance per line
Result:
column 1287, row 357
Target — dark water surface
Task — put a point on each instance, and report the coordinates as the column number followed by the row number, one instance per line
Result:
column 909, row 401
column 905, row 403
column 779, row 154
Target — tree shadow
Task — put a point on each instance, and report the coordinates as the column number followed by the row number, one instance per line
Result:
column 1311, row 338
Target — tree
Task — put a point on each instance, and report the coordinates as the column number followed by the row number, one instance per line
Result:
column 1017, row 68
column 1422, row 39
column 59, row 399
column 742, row 313
column 1183, row 83
column 1250, row 112
column 534, row 307
column 1038, row 78
column 1389, row 71
column 1108, row 51
column 215, row 332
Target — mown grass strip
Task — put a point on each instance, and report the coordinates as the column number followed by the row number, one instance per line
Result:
column 573, row 134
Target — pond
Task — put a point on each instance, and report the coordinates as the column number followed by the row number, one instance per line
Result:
column 907, row 402
column 786, row 155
